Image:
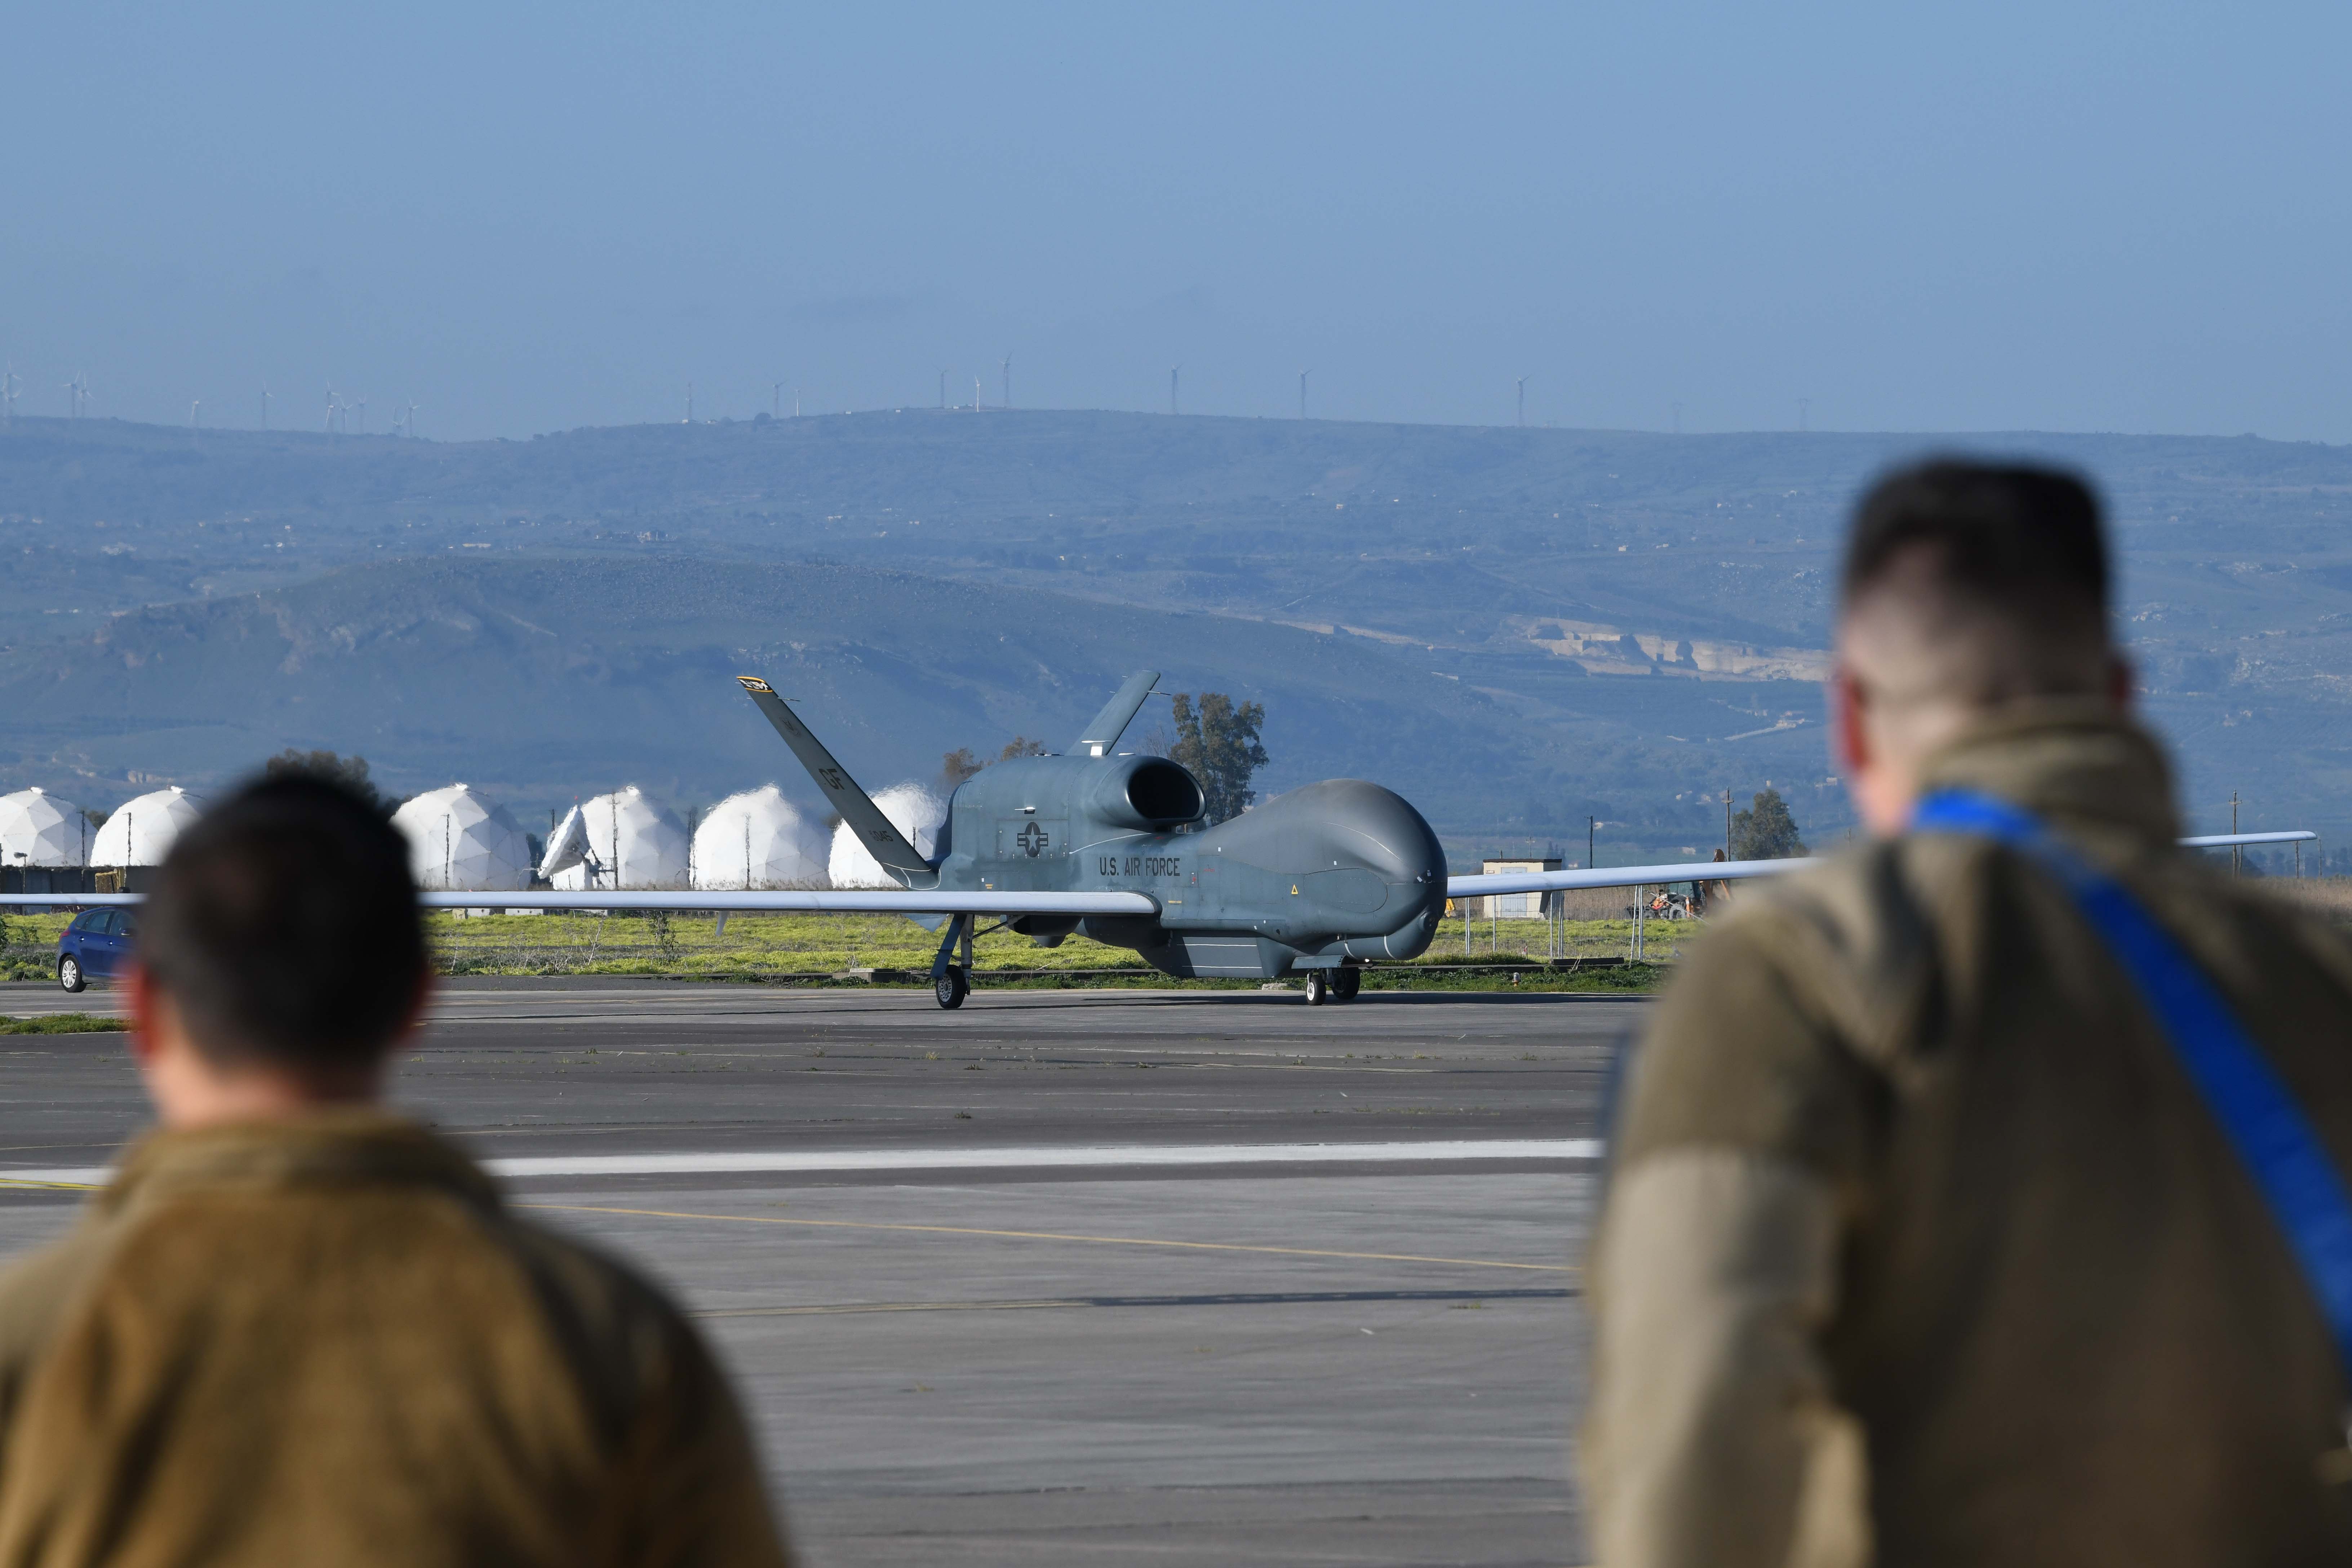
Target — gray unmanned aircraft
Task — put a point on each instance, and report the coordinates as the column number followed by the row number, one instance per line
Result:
column 1314, row 882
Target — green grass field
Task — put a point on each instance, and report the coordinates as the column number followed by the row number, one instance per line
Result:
column 818, row 948
column 61, row 1024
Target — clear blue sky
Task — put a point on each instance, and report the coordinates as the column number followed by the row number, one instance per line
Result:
column 526, row 218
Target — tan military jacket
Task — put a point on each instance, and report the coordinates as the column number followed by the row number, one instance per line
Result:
column 1920, row 1246
column 326, row 1342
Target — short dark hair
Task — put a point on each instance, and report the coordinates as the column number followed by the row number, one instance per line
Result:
column 284, row 925
column 2025, row 544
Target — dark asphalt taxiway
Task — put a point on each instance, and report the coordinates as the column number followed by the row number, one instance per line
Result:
column 1212, row 1277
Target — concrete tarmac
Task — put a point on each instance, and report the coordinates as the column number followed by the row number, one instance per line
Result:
column 1236, row 1360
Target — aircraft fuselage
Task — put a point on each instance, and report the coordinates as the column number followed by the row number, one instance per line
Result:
column 1332, row 872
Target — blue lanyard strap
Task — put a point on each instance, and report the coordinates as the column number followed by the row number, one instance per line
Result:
column 2276, row 1141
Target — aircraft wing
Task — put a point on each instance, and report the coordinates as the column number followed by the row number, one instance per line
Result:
column 1612, row 876
column 786, row 901
column 1480, row 886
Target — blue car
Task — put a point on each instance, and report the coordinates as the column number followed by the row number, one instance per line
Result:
column 97, row 946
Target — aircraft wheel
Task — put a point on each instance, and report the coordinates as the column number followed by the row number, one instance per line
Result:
column 69, row 974
column 1346, row 983
column 1318, row 988
column 952, row 988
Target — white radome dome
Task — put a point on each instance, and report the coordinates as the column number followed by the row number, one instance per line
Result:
column 37, row 828
column 626, row 839
column 460, row 842
column 757, row 839
column 914, row 810
column 140, row 831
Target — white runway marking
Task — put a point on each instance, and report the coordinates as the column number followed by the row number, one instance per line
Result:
column 1104, row 1156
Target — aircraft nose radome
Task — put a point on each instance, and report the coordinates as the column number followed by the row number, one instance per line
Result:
column 1339, row 823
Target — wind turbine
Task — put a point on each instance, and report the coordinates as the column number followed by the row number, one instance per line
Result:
column 975, row 394
column 409, row 423
column 1523, row 402
column 943, row 389
column 1302, row 393
column 1171, row 387
column 362, row 408
column 1008, row 378
column 689, row 403
column 195, row 413
column 264, row 408
column 776, row 413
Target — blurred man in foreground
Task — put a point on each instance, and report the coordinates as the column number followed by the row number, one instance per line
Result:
column 299, row 1329
column 1934, row 1235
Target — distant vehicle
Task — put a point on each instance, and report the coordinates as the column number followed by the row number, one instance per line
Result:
column 98, row 945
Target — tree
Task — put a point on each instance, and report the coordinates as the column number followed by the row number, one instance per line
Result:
column 1766, row 831
column 957, row 766
column 1020, row 746
column 352, row 773
column 1217, row 744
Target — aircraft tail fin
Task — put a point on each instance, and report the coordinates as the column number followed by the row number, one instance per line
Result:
column 1109, row 725
column 876, row 832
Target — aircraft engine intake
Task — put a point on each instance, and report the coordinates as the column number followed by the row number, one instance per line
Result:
column 1148, row 794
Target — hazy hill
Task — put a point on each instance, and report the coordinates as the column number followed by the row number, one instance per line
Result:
column 1608, row 602
column 543, row 679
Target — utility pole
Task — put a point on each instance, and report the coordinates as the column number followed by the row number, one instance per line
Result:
column 1726, row 825
column 1592, row 837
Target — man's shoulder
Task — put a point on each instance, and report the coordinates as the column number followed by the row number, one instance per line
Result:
column 1849, row 938
column 608, row 1308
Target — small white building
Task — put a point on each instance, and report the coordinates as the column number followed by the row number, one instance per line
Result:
column 914, row 810
column 40, row 829
column 459, row 841
column 140, row 831
column 759, row 839
column 1515, row 906
column 624, row 839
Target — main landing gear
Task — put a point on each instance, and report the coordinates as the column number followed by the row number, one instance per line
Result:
column 1333, row 985
column 951, row 982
